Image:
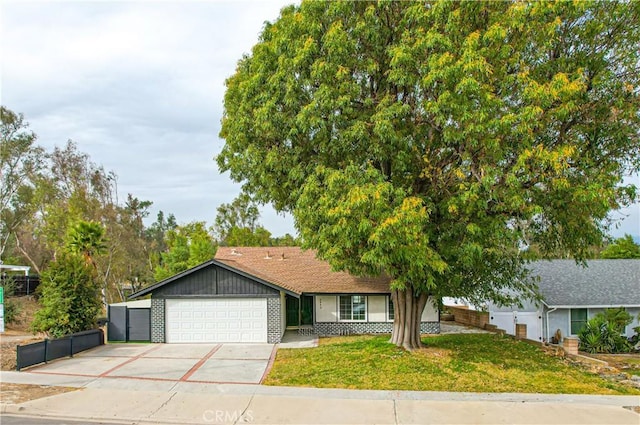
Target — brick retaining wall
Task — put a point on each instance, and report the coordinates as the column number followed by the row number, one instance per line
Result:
column 468, row 317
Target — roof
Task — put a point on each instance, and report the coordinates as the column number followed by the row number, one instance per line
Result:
column 289, row 268
column 298, row 271
column 603, row 283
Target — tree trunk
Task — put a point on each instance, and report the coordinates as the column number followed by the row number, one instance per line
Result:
column 408, row 309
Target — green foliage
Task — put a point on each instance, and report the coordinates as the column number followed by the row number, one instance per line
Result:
column 69, row 294
column 483, row 127
column 11, row 306
column 11, row 310
column 87, row 239
column 603, row 333
column 187, row 246
column 624, row 247
column 20, row 161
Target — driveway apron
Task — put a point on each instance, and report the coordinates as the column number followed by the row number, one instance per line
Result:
column 204, row 363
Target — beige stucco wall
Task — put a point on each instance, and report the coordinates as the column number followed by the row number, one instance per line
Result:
column 430, row 313
column 326, row 308
column 377, row 308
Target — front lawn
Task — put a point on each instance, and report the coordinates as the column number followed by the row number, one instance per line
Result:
column 467, row 362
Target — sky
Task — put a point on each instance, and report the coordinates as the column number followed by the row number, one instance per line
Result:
column 139, row 87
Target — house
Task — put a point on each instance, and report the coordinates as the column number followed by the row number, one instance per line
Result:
column 573, row 294
column 255, row 294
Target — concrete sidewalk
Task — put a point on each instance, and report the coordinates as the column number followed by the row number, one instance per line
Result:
column 141, row 401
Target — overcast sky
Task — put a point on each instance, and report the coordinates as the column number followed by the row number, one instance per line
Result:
column 139, row 87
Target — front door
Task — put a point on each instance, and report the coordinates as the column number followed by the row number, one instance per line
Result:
column 293, row 311
column 306, row 310
column 299, row 311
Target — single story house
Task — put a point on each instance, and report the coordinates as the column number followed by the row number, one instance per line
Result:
column 573, row 294
column 253, row 294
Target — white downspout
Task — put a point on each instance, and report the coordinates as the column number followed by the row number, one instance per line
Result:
column 547, row 314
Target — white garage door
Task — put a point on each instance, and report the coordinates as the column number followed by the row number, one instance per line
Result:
column 216, row 320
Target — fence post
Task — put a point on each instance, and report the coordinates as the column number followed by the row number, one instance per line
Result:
column 71, row 346
column 46, row 349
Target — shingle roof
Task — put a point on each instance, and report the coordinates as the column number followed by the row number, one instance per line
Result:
column 298, row 271
column 611, row 283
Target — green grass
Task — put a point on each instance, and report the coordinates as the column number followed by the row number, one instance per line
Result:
column 469, row 362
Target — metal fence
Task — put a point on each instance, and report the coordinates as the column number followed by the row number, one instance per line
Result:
column 51, row 349
column 22, row 285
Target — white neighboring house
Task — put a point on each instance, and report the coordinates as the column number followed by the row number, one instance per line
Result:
column 573, row 294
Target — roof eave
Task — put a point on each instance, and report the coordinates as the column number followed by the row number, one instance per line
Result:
column 594, row 306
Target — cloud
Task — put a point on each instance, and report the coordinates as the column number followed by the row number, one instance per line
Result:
column 138, row 86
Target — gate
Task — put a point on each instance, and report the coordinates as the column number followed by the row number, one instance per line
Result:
column 508, row 320
column 129, row 324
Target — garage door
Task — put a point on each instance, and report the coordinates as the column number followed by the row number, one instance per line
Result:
column 216, row 320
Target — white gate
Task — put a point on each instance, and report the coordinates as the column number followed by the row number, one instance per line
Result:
column 507, row 321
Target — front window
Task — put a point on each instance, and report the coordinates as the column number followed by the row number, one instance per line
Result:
column 578, row 319
column 353, row 308
column 390, row 309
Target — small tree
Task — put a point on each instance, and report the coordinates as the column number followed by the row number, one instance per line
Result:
column 70, row 297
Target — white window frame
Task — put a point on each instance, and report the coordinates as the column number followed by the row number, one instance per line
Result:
column 366, row 309
column 389, row 305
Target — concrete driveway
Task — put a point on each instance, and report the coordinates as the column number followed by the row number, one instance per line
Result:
column 170, row 363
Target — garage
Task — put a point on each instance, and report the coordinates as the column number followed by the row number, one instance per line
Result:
column 216, row 320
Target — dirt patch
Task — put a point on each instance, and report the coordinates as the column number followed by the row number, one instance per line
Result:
column 18, row 333
column 19, row 393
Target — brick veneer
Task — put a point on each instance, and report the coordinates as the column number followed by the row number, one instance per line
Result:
column 274, row 332
column 348, row 328
column 157, row 320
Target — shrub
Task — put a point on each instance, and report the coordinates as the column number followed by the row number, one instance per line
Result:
column 603, row 333
column 70, row 297
column 11, row 307
column 11, row 311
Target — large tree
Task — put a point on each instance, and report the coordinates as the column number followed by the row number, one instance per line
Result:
column 432, row 141
column 21, row 160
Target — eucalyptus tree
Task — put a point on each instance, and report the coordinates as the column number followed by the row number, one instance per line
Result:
column 20, row 161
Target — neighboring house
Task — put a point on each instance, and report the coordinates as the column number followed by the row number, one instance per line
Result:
column 254, row 294
column 573, row 294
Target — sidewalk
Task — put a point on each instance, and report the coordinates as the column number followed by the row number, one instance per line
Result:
column 142, row 402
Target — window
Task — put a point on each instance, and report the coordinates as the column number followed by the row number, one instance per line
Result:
column 353, row 308
column 578, row 319
column 392, row 312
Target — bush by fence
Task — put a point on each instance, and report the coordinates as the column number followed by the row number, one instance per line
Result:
column 51, row 349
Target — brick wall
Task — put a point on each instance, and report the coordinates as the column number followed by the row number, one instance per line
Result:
column 468, row 317
column 157, row 320
column 356, row 328
column 274, row 331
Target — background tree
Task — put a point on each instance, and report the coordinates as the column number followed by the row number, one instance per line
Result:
column 432, row 140
column 623, row 247
column 70, row 297
column 187, row 246
column 20, row 161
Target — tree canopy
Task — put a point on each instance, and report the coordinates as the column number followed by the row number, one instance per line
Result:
column 434, row 140
column 624, row 247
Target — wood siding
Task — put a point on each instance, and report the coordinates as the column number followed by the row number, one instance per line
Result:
column 214, row 281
